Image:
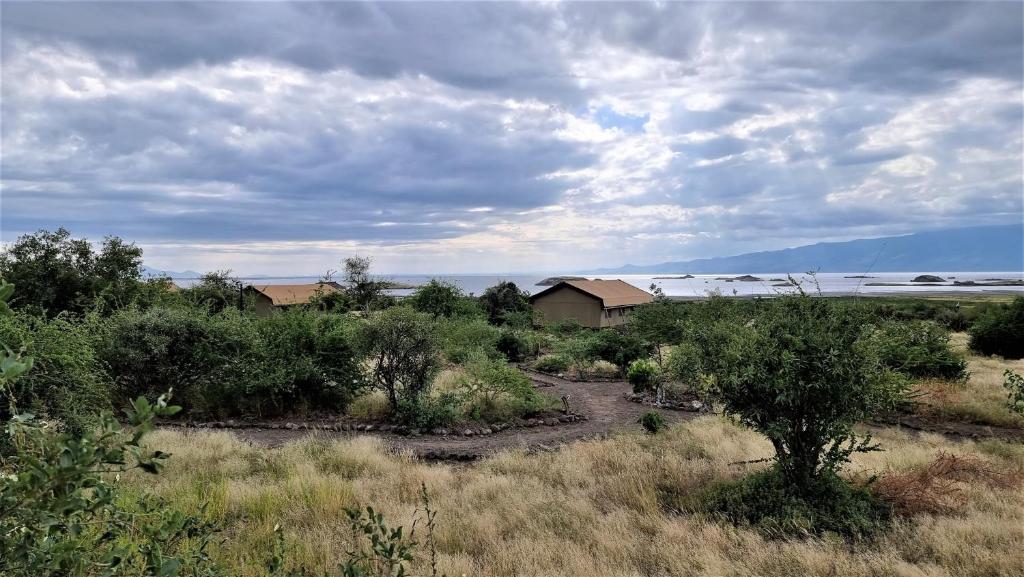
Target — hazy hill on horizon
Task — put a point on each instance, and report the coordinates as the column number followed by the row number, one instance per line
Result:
column 980, row 248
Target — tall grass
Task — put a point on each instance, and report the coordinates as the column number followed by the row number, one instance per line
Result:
column 602, row 508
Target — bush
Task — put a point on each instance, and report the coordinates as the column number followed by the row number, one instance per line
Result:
column 462, row 337
column 916, row 349
column 1014, row 385
column 495, row 391
column 618, row 348
column 426, row 413
column 1000, row 331
column 769, row 503
column 310, row 356
column 551, row 364
column 684, row 365
column 652, row 422
column 643, row 375
column 68, row 383
column 230, row 364
column 515, row 345
column 211, row 360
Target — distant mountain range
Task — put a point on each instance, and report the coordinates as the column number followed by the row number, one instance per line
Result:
column 150, row 272
column 982, row 248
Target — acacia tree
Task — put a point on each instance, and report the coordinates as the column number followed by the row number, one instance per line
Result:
column 404, row 354
column 799, row 374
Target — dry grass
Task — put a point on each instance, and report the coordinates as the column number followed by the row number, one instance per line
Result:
column 599, row 508
column 982, row 399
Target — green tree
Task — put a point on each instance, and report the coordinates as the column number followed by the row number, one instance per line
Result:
column 216, row 290
column 363, row 289
column 58, row 273
column 440, row 299
column 402, row 348
column 504, row 300
column 799, row 374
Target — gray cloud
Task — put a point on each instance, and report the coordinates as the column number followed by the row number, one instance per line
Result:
column 475, row 127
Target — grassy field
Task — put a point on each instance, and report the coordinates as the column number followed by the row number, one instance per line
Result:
column 611, row 507
column 981, row 400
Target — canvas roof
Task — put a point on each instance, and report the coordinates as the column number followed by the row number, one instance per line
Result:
column 613, row 293
column 292, row 294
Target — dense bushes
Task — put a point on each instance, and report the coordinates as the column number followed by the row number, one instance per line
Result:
column 228, row 363
column 916, row 349
column 68, row 383
column 460, row 338
column 1000, row 331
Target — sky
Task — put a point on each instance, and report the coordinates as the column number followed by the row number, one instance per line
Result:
column 498, row 137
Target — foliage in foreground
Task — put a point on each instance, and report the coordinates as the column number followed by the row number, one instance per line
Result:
column 999, row 330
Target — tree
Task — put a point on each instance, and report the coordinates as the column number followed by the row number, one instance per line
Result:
column 799, row 374
column 502, row 300
column 58, row 273
column 362, row 287
column 438, row 298
column 216, row 291
column 404, row 354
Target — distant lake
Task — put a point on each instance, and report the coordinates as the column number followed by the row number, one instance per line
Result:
column 700, row 285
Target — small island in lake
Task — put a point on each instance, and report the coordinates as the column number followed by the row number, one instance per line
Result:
column 553, row 280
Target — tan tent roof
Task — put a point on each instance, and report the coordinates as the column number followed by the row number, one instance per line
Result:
column 293, row 294
column 613, row 293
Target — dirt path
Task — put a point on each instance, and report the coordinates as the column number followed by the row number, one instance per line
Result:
column 951, row 429
column 602, row 403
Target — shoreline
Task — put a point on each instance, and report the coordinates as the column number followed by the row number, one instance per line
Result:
column 944, row 294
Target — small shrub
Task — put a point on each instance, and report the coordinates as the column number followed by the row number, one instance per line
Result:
column 565, row 327
column 652, row 422
column 426, row 413
column 643, row 375
column 767, row 502
column 552, row 364
column 515, row 345
column 917, row 349
column 1014, row 385
column 618, row 348
column 495, row 391
column 684, row 366
column 1000, row 331
column 371, row 406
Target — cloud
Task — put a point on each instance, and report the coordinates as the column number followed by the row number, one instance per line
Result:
column 505, row 136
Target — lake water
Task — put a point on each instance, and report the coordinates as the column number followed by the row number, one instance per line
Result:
column 703, row 284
